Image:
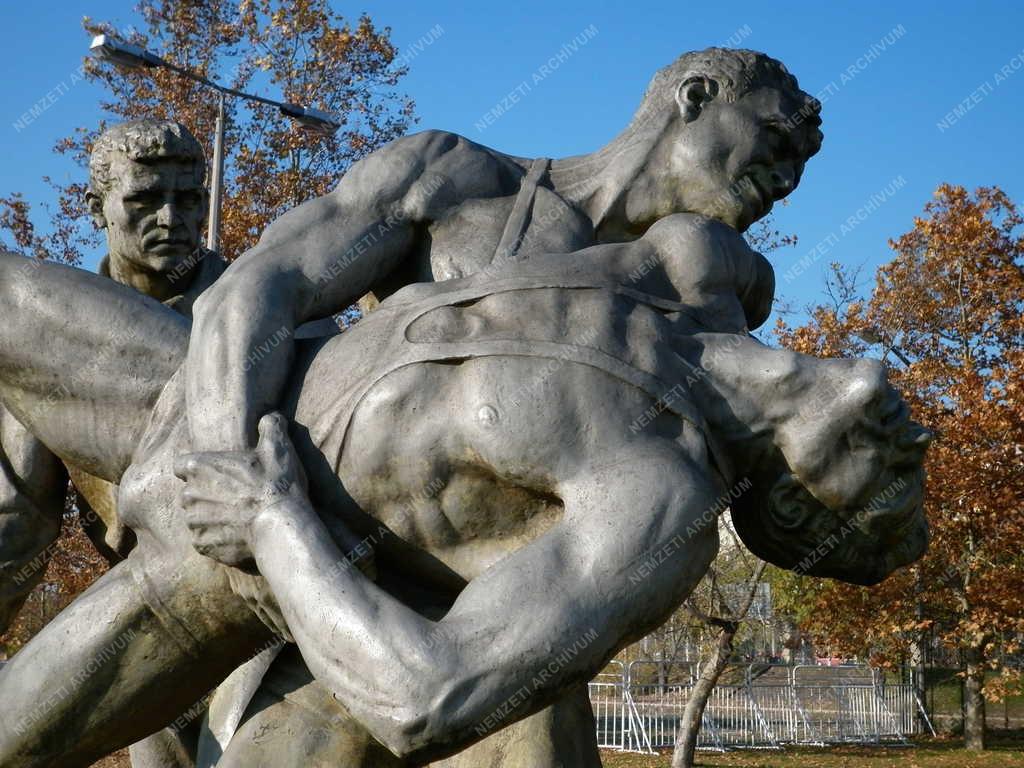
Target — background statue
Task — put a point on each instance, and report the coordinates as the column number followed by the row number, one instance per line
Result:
column 146, row 191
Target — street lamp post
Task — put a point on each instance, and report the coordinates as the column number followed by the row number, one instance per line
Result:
column 132, row 56
column 213, row 226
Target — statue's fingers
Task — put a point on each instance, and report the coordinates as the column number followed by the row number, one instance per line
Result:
column 211, row 501
column 240, row 466
column 203, row 539
column 213, row 467
column 213, row 538
column 186, row 465
column 275, row 447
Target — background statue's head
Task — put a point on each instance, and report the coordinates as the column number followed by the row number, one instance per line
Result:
column 146, row 190
column 727, row 133
column 841, row 496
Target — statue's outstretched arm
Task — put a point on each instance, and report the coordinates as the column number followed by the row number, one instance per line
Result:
column 83, row 359
column 635, row 538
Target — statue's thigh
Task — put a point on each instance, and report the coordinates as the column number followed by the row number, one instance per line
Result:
column 561, row 736
column 294, row 722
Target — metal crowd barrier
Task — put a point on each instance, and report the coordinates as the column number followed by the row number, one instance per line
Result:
column 809, row 705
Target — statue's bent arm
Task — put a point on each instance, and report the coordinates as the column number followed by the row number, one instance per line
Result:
column 314, row 261
column 635, row 538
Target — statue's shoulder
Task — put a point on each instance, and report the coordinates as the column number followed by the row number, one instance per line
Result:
column 432, row 146
column 708, row 255
column 432, row 166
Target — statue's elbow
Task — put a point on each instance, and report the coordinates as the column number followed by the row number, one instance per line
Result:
column 427, row 723
column 407, row 732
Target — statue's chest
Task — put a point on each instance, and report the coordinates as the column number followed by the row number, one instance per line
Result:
column 480, row 232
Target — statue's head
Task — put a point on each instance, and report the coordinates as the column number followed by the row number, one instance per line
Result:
column 729, row 132
column 841, row 495
column 146, row 190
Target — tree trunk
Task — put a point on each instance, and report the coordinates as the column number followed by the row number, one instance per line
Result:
column 689, row 725
column 974, row 700
column 918, row 660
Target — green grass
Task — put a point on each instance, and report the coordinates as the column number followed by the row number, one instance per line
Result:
column 931, row 753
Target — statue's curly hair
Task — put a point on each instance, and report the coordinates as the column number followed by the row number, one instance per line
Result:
column 735, row 72
column 143, row 141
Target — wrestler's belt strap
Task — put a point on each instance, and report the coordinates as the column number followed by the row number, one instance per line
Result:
column 519, row 219
column 403, row 351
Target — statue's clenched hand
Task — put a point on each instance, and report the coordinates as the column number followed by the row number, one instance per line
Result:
column 225, row 491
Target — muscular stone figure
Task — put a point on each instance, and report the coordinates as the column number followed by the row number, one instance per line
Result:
column 527, row 566
column 720, row 132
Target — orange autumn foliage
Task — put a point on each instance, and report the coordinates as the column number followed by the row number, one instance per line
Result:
column 947, row 315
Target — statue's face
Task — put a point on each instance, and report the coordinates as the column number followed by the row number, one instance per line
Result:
column 154, row 213
column 849, row 502
column 734, row 160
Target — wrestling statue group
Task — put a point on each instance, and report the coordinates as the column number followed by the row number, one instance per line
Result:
column 414, row 542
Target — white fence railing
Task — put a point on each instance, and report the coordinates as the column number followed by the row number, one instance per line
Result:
column 817, row 707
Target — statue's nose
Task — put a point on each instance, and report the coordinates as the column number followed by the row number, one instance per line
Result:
column 167, row 215
column 914, row 440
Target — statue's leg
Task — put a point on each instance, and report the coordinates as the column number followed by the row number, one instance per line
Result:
column 32, row 487
column 83, row 359
column 294, row 722
column 562, row 735
column 117, row 664
column 170, row 748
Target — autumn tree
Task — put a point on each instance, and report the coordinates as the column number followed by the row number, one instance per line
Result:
column 296, row 51
column 946, row 316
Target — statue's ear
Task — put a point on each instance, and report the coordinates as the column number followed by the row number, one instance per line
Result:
column 693, row 93
column 95, row 204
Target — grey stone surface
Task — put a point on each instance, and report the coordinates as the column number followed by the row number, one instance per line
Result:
column 470, row 500
column 145, row 191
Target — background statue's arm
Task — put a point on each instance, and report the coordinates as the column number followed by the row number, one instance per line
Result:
column 632, row 543
column 312, row 262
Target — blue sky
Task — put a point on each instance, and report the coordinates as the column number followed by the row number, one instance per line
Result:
column 890, row 74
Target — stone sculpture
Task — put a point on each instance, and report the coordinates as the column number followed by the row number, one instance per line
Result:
column 146, row 193
column 473, row 498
